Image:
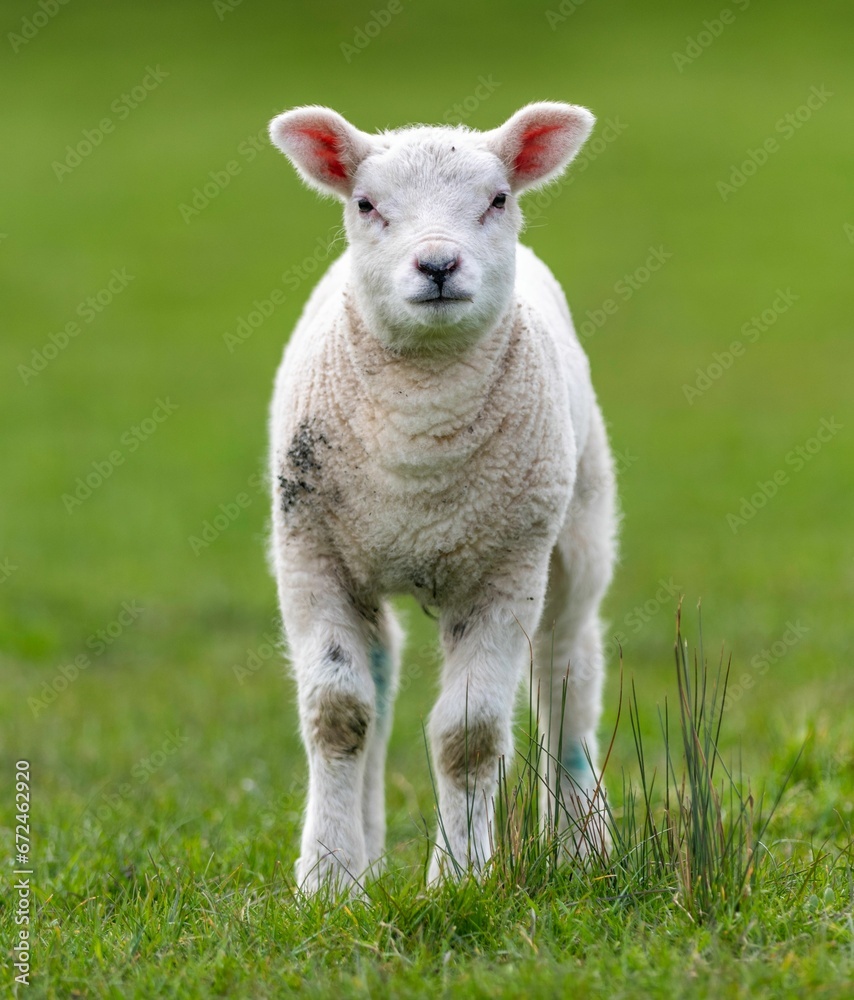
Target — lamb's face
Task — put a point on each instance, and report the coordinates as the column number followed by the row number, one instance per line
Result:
column 431, row 213
column 433, row 226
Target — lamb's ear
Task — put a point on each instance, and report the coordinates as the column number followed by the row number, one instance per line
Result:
column 538, row 142
column 323, row 146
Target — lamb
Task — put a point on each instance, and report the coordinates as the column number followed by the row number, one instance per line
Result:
column 434, row 432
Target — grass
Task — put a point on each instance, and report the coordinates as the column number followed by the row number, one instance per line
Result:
column 167, row 775
column 162, row 888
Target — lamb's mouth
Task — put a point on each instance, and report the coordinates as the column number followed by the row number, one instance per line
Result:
column 439, row 300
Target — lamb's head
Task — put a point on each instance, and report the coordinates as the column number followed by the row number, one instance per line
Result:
column 431, row 212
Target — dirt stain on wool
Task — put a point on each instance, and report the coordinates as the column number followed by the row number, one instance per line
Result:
column 302, row 452
column 340, row 726
column 470, row 751
column 299, row 474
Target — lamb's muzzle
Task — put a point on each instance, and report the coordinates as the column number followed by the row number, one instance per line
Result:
column 437, row 266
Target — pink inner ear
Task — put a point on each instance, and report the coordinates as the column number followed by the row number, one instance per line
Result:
column 325, row 147
column 529, row 159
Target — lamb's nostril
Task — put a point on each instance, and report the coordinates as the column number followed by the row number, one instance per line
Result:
column 438, row 271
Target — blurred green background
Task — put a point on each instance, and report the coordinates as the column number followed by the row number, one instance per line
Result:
column 135, row 154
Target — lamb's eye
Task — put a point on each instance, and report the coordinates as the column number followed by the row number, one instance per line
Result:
column 498, row 201
column 365, row 206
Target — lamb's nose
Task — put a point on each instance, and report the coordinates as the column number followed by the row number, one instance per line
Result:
column 438, row 271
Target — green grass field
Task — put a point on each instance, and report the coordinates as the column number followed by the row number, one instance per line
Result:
column 706, row 244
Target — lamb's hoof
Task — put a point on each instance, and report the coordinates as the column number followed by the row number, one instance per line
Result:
column 327, row 874
column 445, row 868
column 586, row 836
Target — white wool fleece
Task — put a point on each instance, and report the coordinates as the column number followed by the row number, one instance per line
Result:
column 435, row 432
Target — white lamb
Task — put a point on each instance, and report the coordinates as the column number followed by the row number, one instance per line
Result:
column 435, row 433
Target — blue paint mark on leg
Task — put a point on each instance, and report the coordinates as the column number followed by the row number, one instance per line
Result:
column 380, row 671
column 574, row 759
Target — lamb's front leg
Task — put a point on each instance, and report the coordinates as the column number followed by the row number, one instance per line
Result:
column 470, row 727
column 329, row 644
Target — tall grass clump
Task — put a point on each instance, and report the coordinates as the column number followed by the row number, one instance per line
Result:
column 686, row 825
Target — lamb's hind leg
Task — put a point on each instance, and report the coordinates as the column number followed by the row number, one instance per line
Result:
column 384, row 660
column 569, row 662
